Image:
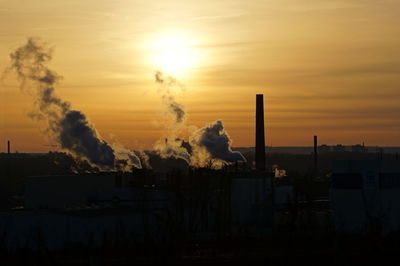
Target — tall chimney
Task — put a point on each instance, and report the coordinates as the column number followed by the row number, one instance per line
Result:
column 315, row 154
column 260, row 137
column 8, row 147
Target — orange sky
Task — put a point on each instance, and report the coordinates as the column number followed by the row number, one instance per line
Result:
column 329, row 68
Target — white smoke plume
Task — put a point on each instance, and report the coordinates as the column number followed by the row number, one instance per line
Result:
column 212, row 143
column 70, row 128
column 208, row 144
column 171, row 145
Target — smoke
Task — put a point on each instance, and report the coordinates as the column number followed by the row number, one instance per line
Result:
column 76, row 135
column 70, row 128
column 177, row 109
column 208, row 144
column 166, row 84
column 171, row 147
column 73, row 131
column 212, row 142
column 144, row 159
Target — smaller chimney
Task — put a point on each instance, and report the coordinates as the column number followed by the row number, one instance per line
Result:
column 8, row 147
column 315, row 154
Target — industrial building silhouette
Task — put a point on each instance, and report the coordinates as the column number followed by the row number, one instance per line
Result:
column 175, row 206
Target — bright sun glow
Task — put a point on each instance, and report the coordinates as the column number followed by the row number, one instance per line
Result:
column 173, row 53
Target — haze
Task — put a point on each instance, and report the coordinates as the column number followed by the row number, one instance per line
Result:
column 326, row 68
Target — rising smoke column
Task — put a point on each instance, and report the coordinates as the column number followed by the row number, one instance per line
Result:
column 171, row 146
column 208, row 144
column 70, row 128
column 166, row 84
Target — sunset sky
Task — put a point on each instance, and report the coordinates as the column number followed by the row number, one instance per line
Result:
column 326, row 68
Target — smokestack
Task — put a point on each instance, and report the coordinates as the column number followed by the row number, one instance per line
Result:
column 8, row 147
column 260, row 137
column 315, row 153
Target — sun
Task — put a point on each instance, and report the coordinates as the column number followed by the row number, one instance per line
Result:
column 173, row 53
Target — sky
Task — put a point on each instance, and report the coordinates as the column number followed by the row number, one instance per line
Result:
column 326, row 68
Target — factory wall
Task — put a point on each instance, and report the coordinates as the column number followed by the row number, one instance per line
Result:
column 365, row 195
column 45, row 229
column 251, row 205
column 64, row 190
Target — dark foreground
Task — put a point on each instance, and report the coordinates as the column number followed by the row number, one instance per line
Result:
column 281, row 249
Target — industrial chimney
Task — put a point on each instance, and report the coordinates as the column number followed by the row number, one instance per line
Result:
column 260, row 137
column 8, row 147
column 316, row 154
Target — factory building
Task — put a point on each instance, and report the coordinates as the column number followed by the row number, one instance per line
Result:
column 62, row 191
column 339, row 148
column 365, row 195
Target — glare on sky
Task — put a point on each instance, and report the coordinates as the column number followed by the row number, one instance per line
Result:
column 172, row 53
